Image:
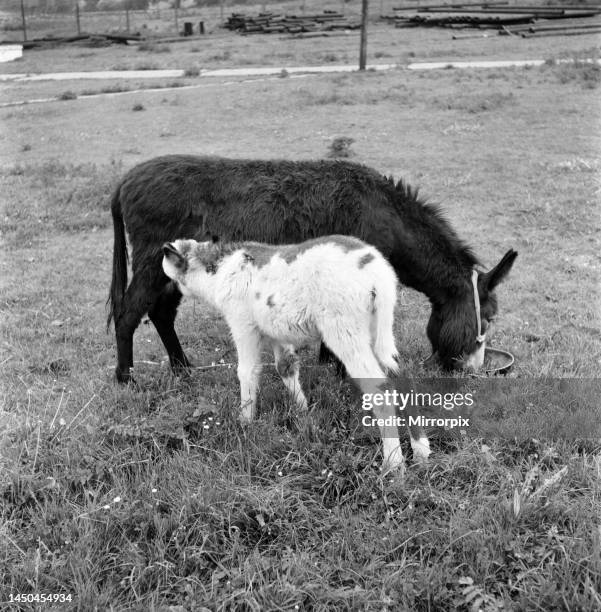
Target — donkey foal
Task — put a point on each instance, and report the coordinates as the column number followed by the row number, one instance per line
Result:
column 336, row 289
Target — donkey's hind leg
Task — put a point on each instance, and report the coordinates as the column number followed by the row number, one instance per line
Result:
column 162, row 314
column 353, row 347
column 139, row 294
column 287, row 365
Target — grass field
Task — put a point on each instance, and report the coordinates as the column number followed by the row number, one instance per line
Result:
column 156, row 499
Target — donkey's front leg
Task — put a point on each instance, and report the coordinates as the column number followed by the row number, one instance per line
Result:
column 248, row 346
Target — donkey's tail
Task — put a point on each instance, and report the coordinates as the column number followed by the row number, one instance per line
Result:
column 120, row 258
column 384, row 298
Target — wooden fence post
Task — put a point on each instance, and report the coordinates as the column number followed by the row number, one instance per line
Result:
column 363, row 43
column 77, row 18
column 23, row 20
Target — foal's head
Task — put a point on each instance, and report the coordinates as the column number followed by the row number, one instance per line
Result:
column 189, row 262
column 458, row 326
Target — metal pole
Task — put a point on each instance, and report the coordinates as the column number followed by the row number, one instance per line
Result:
column 221, row 11
column 127, row 17
column 175, row 15
column 23, row 20
column 363, row 44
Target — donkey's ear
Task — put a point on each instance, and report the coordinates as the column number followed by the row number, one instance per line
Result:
column 171, row 253
column 501, row 270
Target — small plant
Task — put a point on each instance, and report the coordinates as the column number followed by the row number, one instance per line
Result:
column 67, row 95
column 341, row 147
column 138, row 107
column 329, row 57
column 152, row 47
column 146, row 66
column 588, row 74
column 284, row 73
column 192, row 71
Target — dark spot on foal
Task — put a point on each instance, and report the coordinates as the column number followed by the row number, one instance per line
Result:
column 365, row 260
column 270, row 301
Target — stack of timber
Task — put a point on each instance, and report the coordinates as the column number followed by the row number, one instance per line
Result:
column 523, row 19
column 267, row 23
column 88, row 40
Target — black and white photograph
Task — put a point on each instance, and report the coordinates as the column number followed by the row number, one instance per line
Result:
column 300, row 305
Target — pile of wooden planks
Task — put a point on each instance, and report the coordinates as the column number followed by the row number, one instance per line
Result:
column 89, row 40
column 525, row 19
column 267, row 23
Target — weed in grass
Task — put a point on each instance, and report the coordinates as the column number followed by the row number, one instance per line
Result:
column 476, row 103
column 587, row 74
column 146, row 66
column 67, row 95
column 151, row 47
column 223, row 56
column 329, row 57
column 138, row 107
column 341, row 147
column 192, row 71
column 116, row 88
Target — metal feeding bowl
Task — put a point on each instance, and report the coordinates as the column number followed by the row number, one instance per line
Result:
column 497, row 361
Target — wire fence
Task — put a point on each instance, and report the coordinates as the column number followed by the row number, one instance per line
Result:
column 29, row 19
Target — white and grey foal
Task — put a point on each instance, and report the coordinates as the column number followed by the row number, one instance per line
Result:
column 336, row 289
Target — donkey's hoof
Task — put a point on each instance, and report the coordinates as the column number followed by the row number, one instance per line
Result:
column 180, row 368
column 125, row 377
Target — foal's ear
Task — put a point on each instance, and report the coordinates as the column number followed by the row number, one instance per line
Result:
column 173, row 255
column 501, row 270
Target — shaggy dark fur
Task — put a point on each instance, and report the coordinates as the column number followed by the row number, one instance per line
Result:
column 279, row 202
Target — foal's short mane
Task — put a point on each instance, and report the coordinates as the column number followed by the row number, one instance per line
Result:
column 432, row 219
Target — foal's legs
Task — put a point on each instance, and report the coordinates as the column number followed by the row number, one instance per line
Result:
column 248, row 347
column 287, row 365
column 353, row 347
column 420, row 445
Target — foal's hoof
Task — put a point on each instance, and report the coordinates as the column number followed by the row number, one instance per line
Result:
column 395, row 470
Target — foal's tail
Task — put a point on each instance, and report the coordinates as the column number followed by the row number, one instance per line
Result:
column 120, row 258
column 384, row 300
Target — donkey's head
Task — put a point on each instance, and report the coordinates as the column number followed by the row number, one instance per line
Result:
column 458, row 327
column 190, row 263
